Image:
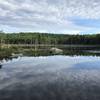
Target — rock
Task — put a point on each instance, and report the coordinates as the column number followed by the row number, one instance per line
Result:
column 16, row 55
column 56, row 50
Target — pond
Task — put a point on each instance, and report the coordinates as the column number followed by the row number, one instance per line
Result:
column 51, row 77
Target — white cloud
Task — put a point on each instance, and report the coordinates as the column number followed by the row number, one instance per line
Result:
column 49, row 15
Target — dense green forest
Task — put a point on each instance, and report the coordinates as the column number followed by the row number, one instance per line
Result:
column 48, row 38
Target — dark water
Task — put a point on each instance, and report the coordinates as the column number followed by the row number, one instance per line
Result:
column 54, row 77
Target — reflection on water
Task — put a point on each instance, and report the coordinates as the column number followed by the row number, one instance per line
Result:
column 56, row 77
column 68, row 51
column 0, row 66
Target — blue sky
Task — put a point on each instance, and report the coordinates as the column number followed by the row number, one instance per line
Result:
column 54, row 16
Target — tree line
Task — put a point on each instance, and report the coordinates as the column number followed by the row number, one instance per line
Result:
column 48, row 38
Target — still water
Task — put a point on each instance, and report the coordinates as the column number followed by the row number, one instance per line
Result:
column 56, row 77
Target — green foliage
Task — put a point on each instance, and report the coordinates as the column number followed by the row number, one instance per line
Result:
column 45, row 38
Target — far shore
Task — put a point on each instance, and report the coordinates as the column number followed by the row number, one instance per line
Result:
column 48, row 45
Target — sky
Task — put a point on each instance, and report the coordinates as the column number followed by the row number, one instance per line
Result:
column 51, row 16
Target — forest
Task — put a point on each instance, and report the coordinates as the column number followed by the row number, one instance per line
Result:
column 48, row 38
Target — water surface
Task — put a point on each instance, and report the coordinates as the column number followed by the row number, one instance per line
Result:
column 55, row 77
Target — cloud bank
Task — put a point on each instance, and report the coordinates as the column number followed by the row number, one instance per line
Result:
column 56, row 16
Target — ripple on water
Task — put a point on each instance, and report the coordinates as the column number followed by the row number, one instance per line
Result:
column 51, row 78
